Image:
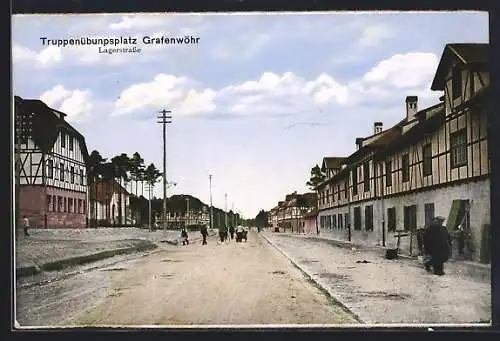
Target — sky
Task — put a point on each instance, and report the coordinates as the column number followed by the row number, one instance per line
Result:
column 256, row 102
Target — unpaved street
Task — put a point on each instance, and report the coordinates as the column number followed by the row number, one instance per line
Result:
column 232, row 283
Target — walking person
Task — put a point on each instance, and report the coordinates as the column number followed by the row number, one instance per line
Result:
column 437, row 245
column 231, row 232
column 184, row 236
column 26, row 225
column 204, row 233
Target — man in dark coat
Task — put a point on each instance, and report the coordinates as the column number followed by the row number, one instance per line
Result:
column 184, row 236
column 231, row 231
column 437, row 244
column 204, row 233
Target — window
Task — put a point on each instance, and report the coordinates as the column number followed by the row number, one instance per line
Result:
column 410, row 218
column 49, row 203
column 391, row 219
column 61, row 171
column 338, row 192
column 72, row 175
column 54, row 203
column 357, row 218
column 458, row 148
column 327, row 196
column 472, row 86
column 427, row 159
column 388, row 174
column 63, row 139
column 65, row 205
column 346, row 186
column 369, row 218
column 406, row 167
column 366, row 176
column 59, row 204
column 354, row 175
column 79, row 205
column 456, row 82
column 84, row 206
column 71, row 143
column 339, row 220
column 429, row 213
column 70, row 205
column 346, row 220
column 334, row 221
column 50, row 169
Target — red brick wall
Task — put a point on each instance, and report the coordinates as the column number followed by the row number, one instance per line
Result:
column 32, row 202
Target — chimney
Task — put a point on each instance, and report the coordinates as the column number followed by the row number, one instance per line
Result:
column 377, row 127
column 411, row 107
column 359, row 142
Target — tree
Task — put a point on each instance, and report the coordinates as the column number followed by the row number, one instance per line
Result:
column 152, row 174
column 317, row 176
column 136, row 164
column 261, row 219
column 94, row 171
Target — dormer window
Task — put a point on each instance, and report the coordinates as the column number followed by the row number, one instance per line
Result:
column 456, row 82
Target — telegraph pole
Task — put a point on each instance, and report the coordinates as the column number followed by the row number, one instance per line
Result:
column 187, row 213
column 211, row 207
column 225, row 209
column 149, row 204
column 164, row 120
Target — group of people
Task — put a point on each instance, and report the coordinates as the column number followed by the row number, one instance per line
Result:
column 437, row 246
column 224, row 234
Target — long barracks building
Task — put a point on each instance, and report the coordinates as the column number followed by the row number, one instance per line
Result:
column 433, row 162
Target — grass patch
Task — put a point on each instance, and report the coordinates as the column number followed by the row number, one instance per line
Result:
column 81, row 260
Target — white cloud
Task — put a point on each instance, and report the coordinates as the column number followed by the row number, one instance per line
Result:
column 373, row 35
column 163, row 89
column 390, row 81
column 404, row 70
column 75, row 103
column 47, row 57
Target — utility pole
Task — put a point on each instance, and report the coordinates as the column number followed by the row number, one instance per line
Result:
column 234, row 214
column 225, row 209
column 187, row 212
column 149, row 204
column 164, row 120
column 211, row 207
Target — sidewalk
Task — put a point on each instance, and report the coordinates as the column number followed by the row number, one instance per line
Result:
column 56, row 248
column 384, row 291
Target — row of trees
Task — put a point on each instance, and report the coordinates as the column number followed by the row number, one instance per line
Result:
column 119, row 170
column 132, row 174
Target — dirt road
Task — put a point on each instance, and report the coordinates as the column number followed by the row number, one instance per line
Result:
column 232, row 283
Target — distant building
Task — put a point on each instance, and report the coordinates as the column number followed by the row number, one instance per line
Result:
column 52, row 172
column 433, row 162
column 106, row 203
column 288, row 216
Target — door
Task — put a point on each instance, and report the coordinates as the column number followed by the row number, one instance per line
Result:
column 429, row 213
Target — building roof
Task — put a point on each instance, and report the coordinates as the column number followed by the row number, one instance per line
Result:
column 469, row 53
column 104, row 188
column 46, row 124
column 332, row 162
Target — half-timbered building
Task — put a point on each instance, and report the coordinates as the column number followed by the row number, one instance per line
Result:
column 51, row 167
column 434, row 162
